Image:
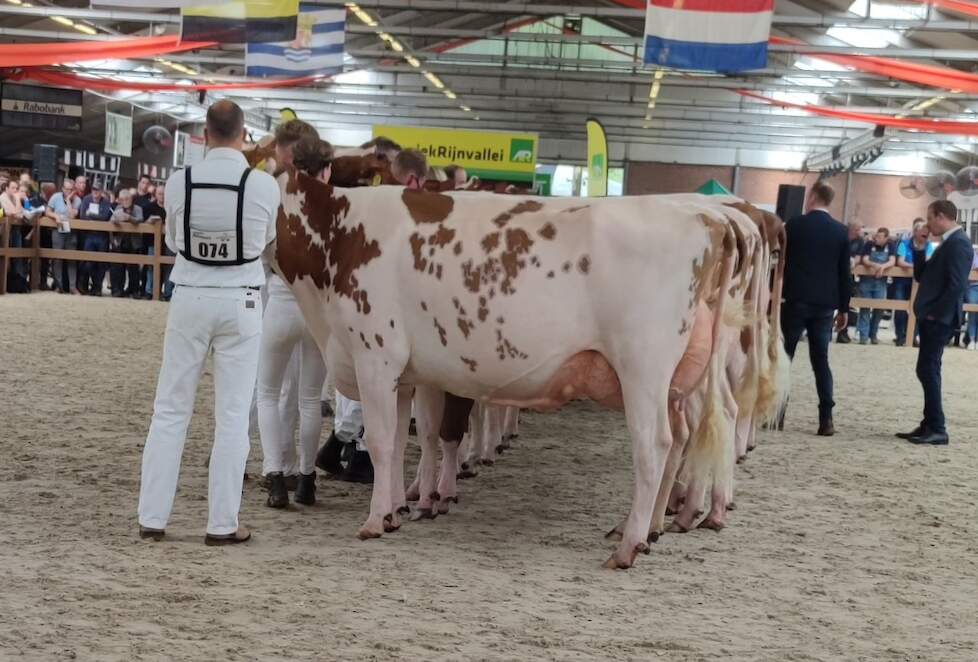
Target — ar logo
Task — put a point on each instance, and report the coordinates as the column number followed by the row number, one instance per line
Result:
column 597, row 165
column 520, row 151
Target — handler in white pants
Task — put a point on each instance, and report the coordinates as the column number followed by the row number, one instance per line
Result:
column 222, row 218
column 284, row 332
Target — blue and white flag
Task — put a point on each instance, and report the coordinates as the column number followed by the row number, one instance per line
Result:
column 708, row 35
column 317, row 49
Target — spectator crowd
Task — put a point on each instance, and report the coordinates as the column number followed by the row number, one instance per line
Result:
column 878, row 252
column 78, row 199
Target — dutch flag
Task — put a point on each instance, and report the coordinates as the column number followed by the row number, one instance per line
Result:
column 708, row 35
column 317, row 49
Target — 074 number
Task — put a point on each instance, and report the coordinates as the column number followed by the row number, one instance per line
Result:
column 212, row 250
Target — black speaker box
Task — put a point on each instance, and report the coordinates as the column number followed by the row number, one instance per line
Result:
column 791, row 201
column 45, row 163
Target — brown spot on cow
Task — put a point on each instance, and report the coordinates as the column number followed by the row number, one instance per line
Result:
column 379, row 339
column 584, row 264
column 438, row 272
column 442, row 334
column 571, row 210
column 363, row 339
column 472, row 363
column 483, row 312
column 548, row 231
column 521, row 208
column 490, row 242
column 465, row 326
column 567, row 267
column 392, row 324
column 424, row 307
column 457, row 249
column 425, row 207
column 746, row 338
column 417, row 242
column 550, row 274
column 442, row 237
column 500, row 320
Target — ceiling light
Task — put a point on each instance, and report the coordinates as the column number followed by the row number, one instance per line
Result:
column 63, row 21
column 413, row 61
column 85, row 28
column 466, row 108
column 361, row 14
column 14, row 2
column 450, row 94
column 434, row 80
column 396, row 45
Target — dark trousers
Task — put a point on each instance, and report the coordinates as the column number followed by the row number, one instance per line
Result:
column 119, row 273
column 817, row 321
column 92, row 274
column 901, row 291
column 934, row 336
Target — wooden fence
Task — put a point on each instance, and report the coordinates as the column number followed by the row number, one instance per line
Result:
column 897, row 304
column 35, row 253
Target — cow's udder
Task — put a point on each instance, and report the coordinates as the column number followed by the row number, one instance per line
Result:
column 584, row 375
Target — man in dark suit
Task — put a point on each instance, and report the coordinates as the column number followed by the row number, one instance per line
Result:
column 816, row 286
column 942, row 280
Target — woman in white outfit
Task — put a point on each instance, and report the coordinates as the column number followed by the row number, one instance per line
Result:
column 284, row 332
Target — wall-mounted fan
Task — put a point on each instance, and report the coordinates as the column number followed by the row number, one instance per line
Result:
column 967, row 181
column 913, row 187
column 941, row 183
column 157, row 139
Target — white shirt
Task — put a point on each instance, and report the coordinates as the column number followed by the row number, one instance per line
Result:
column 223, row 165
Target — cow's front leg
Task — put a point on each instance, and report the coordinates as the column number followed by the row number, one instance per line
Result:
column 429, row 408
column 646, row 412
column 467, row 464
column 379, row 393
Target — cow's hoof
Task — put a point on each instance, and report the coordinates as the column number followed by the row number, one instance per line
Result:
column 435, row 496
column 616, row 533
column 731, row 506
column 714, row 524
column 741, row 459
column 654, row 536
column 392, row 523
column 672, row 512
column 423, row 513
column 403, row 510
column 465, row 466
column 412, row 494
column 466, row 473
column 367, row 533
column 678, row 527
column 500, row 449
column 487, row 462
column 751, row 448
column 619, row 561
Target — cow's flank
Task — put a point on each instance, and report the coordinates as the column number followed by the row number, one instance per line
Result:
column 427, row 207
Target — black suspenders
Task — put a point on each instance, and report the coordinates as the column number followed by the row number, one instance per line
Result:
column 187, row 253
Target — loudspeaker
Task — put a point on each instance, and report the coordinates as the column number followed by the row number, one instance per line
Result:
column 791, row 201
column 45, row 163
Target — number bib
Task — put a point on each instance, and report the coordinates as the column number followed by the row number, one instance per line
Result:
column 212, row 246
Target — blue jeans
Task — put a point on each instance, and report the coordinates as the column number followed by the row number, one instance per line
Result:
column 869, row 324
column 971, row 296
column 17, row 233
column 167, row 289
column 901, row 291
column 817, row 321
column 933, row 337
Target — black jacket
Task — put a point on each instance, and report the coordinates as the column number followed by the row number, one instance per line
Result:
column 943, row 279
column 816, row 269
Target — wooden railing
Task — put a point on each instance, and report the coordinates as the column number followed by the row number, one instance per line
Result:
column 35, row 253
column 898, row 304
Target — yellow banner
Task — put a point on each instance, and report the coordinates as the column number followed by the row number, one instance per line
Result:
column 597, row 160
column 510, row 157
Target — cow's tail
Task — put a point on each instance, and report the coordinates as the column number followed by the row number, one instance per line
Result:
column 776, row 369
column 746, row 395
column 712, row 438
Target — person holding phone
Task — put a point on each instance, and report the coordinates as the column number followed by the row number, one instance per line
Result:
column 62, row 210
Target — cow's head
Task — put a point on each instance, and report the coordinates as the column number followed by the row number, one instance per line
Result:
column 367, row 170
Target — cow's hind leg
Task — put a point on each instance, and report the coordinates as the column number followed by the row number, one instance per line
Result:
column 646, row 412
column 380, row 418
column 429, row 408
column 398, row 497
column 453, row 425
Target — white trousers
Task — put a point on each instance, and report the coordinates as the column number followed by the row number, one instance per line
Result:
column 348, row 421
column 226, row 321
column 285, row 339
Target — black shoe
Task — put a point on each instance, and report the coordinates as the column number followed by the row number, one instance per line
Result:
column 826, row 428
column 278, row 496
column 930, row 439
column 292, row 482
column 917, row 431
column 874, row 341
column 305, row 493
column 329, row 456
column 360, row 469
column 843, row 338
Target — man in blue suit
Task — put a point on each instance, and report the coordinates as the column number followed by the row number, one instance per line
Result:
column 816, row 286
column 942, row 280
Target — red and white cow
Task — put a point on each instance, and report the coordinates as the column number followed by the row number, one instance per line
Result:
column 513, row 301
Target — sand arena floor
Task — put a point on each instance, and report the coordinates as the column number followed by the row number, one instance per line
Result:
column 858, row 547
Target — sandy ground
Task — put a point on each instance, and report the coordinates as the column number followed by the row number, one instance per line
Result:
column 858, row 547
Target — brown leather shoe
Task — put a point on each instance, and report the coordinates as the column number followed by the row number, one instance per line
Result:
column 151, row 534
column 826, row 428
column 239, row 536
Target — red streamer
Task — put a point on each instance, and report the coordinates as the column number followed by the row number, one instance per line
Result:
column 41, row 55
column 957, row 6
column 106, row 85
column 953, row 127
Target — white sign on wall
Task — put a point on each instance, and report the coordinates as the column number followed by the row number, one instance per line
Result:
column 967, row 213
column 187, row 149
column 118, row 134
